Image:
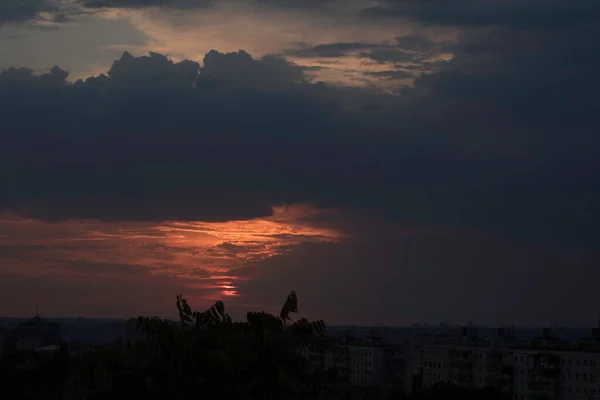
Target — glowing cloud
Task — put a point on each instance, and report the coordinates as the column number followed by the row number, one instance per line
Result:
column 199, row 254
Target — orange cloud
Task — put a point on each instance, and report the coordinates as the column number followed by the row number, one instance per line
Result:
column 199, row 255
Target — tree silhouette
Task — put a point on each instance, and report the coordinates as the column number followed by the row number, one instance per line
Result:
column 207, row 355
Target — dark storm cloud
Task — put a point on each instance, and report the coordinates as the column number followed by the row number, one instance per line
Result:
column 502, row 138
column 286, row 4
column 420, row 43
column 392, row 74
column 399, row 276
column 524, row 14
column 62, row 18
column 161, row 140
column 406, row 48
column 147, row 3
column 297, row 4
column 22, row 10
column 333, row 49
column 389, row 55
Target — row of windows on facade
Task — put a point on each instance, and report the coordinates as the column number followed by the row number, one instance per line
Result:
column 355, row 373
column 517, row 357
column 362, row 362
column 586, row 363
column 577, row 376
column 524, row 360
column 570, row 375
column 434, row 377
column 569, row 389
column 364, row 353
column 568, row 361
column 578, row 390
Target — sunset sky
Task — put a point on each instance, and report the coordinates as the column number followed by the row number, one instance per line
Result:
column 392, row 161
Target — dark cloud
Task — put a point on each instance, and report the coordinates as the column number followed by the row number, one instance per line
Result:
column 420, row 43
column 128, row 164
column 524, row 14
column 333, row 49
column 502, row 138
column 409, row 52
column 389, row 55
column 398, row 276
column 297, row 4
column 22, row 10
column 392, row 74
column 409, row 47
column 147, row 3
column 178, row 4
column 240, row 68
column 62, row 18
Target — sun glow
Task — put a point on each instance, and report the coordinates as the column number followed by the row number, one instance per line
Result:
column 210, row 259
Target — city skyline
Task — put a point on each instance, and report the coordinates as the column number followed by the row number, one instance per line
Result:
column 392, row 161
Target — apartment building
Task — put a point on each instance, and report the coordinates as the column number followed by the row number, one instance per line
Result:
column 543, row 368
column 465, row 360
column 580, row 374
column 366, row 363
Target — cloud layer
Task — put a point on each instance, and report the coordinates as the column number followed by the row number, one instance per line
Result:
column 207, row 260
column 169, row 170
column 21, row 10
column 520, row 14
column 500, row 137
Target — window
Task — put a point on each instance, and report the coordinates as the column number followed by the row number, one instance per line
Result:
column 585, row 363
column 570, row 375
column 576, row 377
column 570, row 362
column 593, row 378
column 592, row 363
column 585, row 377
column 577, row 362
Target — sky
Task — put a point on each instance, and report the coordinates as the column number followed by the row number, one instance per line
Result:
column 392, row 161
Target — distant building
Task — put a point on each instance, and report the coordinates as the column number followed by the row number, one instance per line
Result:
column 32, row 334
column 543, row 368
column 367, row 363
